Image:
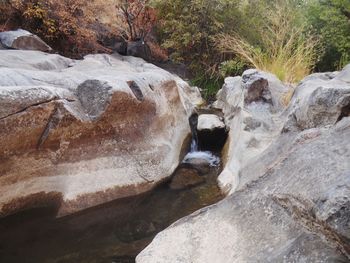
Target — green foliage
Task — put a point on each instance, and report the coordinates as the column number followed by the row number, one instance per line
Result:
column 232, row 67
column 209, row 85
column 188, row 30
column 331, row 20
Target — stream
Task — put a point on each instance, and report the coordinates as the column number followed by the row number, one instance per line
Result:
column 114, row 232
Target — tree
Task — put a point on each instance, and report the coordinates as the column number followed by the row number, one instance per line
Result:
column 188, row 28
column 139, row 18
column 331, row 20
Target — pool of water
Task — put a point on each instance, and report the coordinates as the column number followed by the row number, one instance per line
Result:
column 114, row 232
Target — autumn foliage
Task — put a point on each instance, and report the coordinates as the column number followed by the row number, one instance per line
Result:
column 139, row 17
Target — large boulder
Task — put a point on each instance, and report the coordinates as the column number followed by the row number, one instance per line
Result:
column 289, row 188
column 24, row 40
column 252, row 105
column 320, row 101
column 78, row 133
column 297, row 211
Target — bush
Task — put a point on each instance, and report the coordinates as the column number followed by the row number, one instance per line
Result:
column 65, row 25
column 232, row 67
column 331, row 20
column 282, row 46
column 139, row 18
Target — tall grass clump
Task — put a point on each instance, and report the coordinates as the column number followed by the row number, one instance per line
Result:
column 281, row 45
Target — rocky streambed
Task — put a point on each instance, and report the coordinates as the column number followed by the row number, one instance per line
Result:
column 113, row 232
column 89, row 166
column 90, row 153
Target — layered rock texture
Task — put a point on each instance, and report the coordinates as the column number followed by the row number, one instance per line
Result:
column 22, row 39
column 75, row 134
column 288, row 174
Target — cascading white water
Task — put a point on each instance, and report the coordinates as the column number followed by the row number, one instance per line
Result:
column 195, row 153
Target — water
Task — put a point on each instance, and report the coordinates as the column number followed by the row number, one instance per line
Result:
column 114, row 232
column 205, row 157
column 193, row 120
column 195, row 155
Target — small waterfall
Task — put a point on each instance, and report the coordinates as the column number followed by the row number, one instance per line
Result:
column 193, row 124
column 195, row 153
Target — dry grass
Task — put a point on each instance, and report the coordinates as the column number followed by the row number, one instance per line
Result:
column 284, row 50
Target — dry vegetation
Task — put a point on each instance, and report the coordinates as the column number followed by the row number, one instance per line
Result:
column 284, row 49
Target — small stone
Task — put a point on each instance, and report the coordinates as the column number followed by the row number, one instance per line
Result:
column 209, row 122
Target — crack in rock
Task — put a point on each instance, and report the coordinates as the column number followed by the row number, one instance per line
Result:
column 52, row 123
column 303, row 213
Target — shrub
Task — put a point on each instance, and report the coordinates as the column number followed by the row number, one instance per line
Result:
column 282, row 49
column 139, row 18
column 331, row 20
column 65, row 25
column 232, row 67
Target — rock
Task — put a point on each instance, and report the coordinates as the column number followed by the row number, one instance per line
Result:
column 24, row 40
column 139, row 49
column 344, row 75
column 289, row 188
column 184, row 178
column 253, row 124
column 86, row 131
column 262, row 86
column 209, row 122
column 319, row 102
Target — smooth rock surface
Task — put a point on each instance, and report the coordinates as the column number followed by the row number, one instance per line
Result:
column 209, row 122
column 290, row 200
column 24, row 40
column 78, row 133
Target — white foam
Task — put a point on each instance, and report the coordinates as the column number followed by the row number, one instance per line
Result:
column 209, row 157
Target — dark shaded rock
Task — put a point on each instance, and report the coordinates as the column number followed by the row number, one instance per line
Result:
column 139, row 49
column 136, row 90
column 94, row 96
column 257, row 90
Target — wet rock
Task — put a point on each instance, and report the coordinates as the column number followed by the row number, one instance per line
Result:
column 24, row 40
column 79, row 128
column 186, row 177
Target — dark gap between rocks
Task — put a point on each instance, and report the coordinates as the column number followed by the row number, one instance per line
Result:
column 345, row 112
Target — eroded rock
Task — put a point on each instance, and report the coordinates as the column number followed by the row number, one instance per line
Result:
column 292, row 206
column 289, row 188
column 77, row 128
